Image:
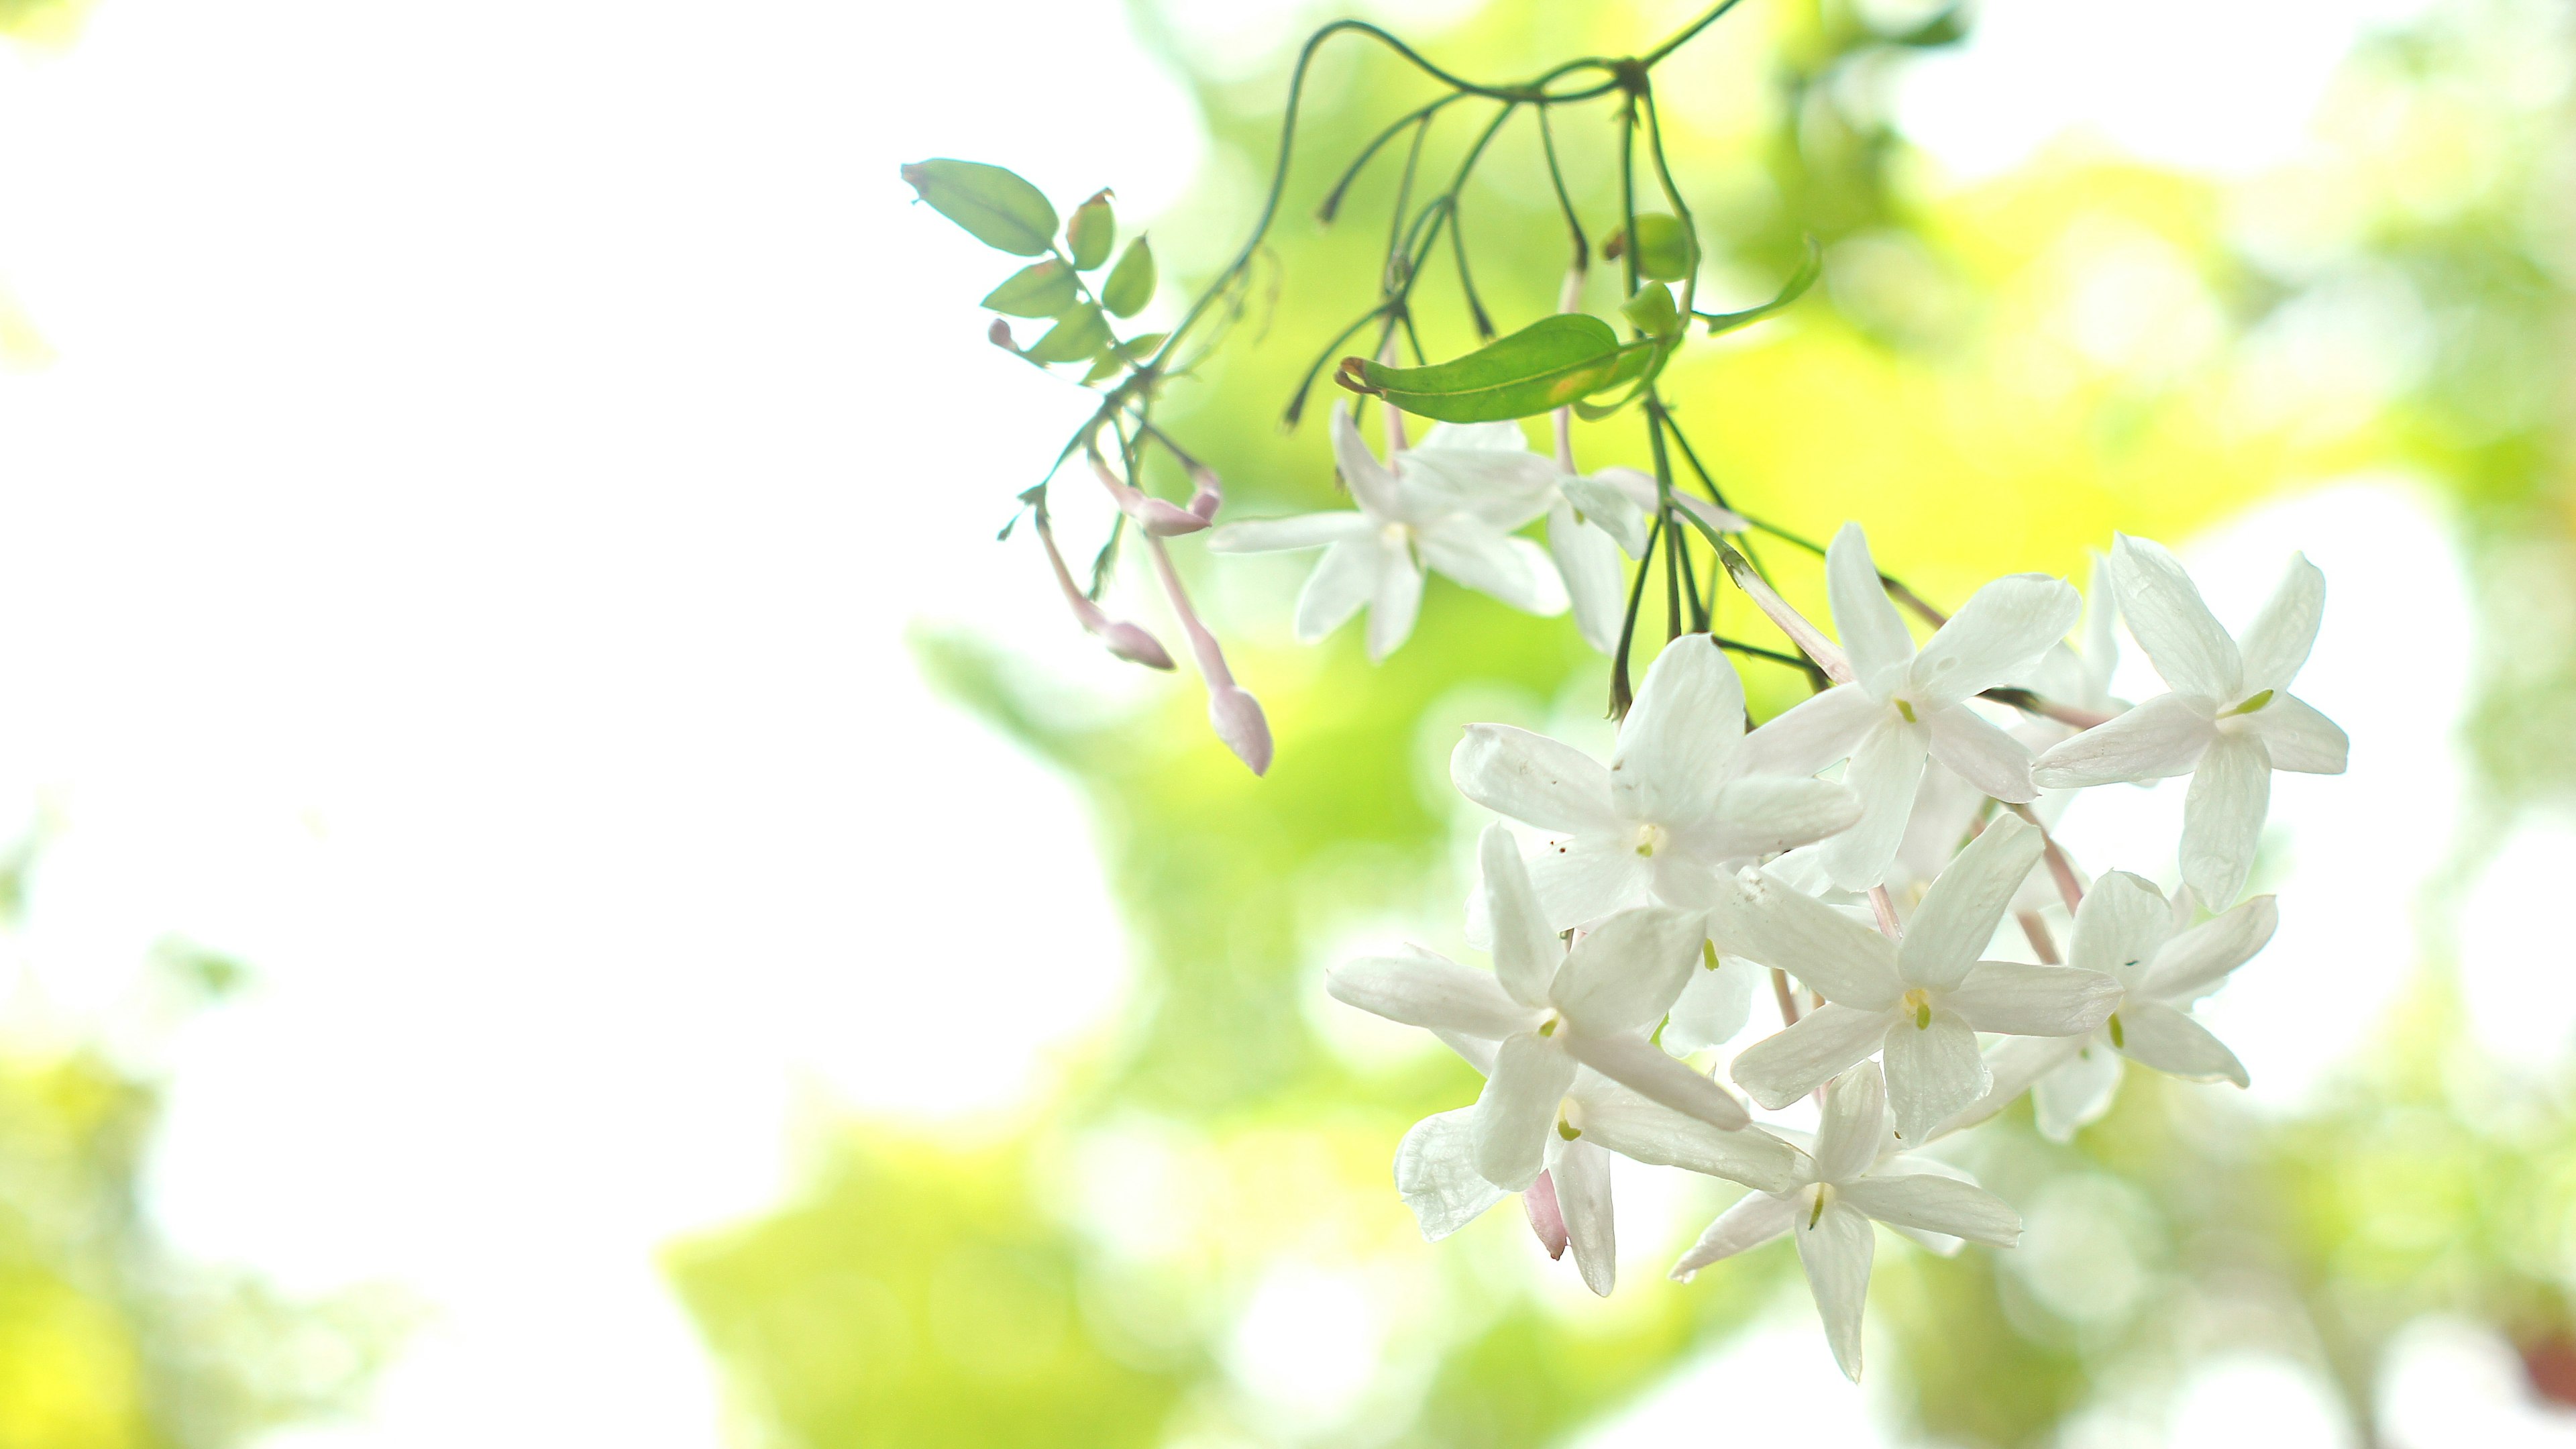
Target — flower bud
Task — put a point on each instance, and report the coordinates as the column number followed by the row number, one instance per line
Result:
column 1161, row 519
column 1207, row 495
column 1131, row 643
column 1000, row 336
column 1546, row 1215
column 1239, row 722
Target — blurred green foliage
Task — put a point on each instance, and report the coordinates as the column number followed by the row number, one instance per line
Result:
column 1992, row 377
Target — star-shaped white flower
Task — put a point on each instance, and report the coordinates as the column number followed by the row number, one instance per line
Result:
column 1838, row 1189
column 1678, row 801
column 2229, row 722
column 1923, row 1001
column 1570, row 1206
column 1450, row 504
column 1904, row 705
column 1551, row 1010
column 2127, row 930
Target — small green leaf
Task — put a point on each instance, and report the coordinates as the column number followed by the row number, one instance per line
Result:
column 1653, row 311
column 1082, row 332
column 1091, row 231
column 1805, row 277
column 1545, row 365
column 1665, row 251
column 1637, row 362
column 993, row 204
column 1107, row 365
column 1137, row 349
column 1131, row 282
column 1041, row 289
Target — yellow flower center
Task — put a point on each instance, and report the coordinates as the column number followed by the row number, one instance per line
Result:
column 1918, row 1002
column 1649, row 838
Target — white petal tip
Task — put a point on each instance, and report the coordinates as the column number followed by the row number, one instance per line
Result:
column 1238, row 721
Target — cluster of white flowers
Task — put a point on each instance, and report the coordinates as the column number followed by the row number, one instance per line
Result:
column 1630, row 906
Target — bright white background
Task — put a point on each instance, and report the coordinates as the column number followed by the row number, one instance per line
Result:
column 457, row 558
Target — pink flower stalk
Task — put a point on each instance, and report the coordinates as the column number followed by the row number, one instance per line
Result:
column 1232, row 711
column 1128, row 641
column 1158, row 518
column 1546, row 1215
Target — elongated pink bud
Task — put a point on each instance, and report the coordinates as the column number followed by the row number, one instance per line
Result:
column 1232, row 711
column 1207, row 495
column 1156, row 517
column 1128, row 641
column 1546, row 1216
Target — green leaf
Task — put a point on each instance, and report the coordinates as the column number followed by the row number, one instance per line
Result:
column 1082, row 332
column 1091, row 231
column 1805, row 277
column 1665, row 251
column 999, row 208
column 1041, row 289
column 1131, row 282
column 1545, row 365
column 1653, row 312
column 1638, row 364
column 1107, row 365
column 1137, row 349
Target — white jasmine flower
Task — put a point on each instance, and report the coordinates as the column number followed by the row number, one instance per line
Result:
column 1839, row 1188
column 1678, row 801
column 2229, row 722
column 1923, row 1001
column 1551, row 1010
column 2126, row 929
column 1569, row 1202
column 1904, row 705
column 1450, row 505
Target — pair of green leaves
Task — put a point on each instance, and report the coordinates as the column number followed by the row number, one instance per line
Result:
column 1001, row 209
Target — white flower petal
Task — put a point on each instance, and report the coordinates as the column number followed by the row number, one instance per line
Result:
column 2013, row 1063
column 1766, row 814
column 1685, row 878
column 1767, row 921
column 1582, row 1178
column 1548, row 597
column 1343, row 580
column 1648, row 1132
column 1836, row 1248
column 1276, row 535
column 2159, row 739
column 2194, row 963
column 2171, row 622
column 1623, row 977
column 2278, row 641
column 1809, row 735
column 1872, row 632
column 1755, row 1219
column 2020, row 999
column 1397, row 603
column 1596, row 581
column 2078, row 1091
column 1641, row 1066
column 1714, row 1005
column 1585, row 877
column 1958, row 916
column 1371, row 484
column 1533, row 779
column 1936, row 1204
column 2101, row 638
column 1605, row 506
column 2222, row 818
column 2000, row 632
column 1495, row 437
column 2171, row 1042
column 2120, row 926
column 1689, row 713
column 1516, row 1113
column 1781, row 1068
column 1933, row 1072
column 1853, row 1127
column 2299, row 738
column 1427, row 991
column 1885, row 769
column 1435, row 1170
column 1480, row 558
column 1526, row 953
column 1984, row 755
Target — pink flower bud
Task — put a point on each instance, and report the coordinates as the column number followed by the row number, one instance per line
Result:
column 1546, row 1217
column 1239, row 722
column 1000, row 336
column 1162, row 519
column 1131, row 643
column 1207, row 494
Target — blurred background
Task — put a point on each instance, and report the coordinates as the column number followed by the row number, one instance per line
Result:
column 565, row 890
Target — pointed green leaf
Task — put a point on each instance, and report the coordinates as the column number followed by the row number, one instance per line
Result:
column 1107, row 365
column 1040, row 289
column 999, row 208
column 1091, row 231
column 1805, row 277
column 1137, row 349
column 1545, row 365
column 1131, row 282
column 1082, row 332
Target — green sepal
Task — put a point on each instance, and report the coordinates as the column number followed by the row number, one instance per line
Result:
column 1091, row 232
column 1665, row 250
column 994, row 205
column 1546, row 365
column 1040, row 289
column 1131, row 282
column 1653, row 311
column 1081, row 333
column 1798, row 283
